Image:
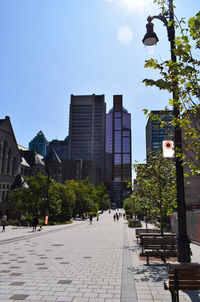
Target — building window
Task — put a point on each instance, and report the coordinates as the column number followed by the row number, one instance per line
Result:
column 3, row 164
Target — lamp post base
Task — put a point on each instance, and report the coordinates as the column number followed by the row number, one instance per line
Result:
column 183, row 249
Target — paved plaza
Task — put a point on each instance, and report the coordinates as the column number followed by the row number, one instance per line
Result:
column 81, row 263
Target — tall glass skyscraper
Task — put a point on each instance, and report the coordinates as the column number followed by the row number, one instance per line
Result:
column 118, row 151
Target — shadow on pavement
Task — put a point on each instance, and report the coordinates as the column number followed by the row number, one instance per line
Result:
column 193, row 294
column 153, row 273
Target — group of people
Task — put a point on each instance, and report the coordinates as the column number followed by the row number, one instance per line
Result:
column 91, row 217
column 116, row 216
column 35, row 223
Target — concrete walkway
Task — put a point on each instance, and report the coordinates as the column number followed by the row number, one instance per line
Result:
column 80, row 263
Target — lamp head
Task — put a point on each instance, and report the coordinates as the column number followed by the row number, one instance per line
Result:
column 150, row 38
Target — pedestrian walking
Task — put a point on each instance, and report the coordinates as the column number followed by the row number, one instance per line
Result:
column 97, row 217
column 117, row 216
column 114, row 217
column 4, row 221
column 35, row 222
column 90, row 218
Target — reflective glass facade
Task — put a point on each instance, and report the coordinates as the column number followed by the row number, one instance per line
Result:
column 39, row 144
column 118, row 151
column 154, row 133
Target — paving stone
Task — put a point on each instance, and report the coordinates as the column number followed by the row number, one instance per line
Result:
column 64, row 281
column 18, row 297
column 64, row 262
column 17, row 283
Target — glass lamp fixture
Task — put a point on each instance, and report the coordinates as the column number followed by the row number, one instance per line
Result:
column 150, row 37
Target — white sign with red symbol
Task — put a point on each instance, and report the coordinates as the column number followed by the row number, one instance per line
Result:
column 168, row 149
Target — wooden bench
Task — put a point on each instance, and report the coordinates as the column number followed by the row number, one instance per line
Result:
column 159, row 247
column 182, row 276
column 140, row 231
column 155, row 235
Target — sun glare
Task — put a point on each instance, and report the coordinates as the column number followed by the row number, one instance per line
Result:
column 130, row 4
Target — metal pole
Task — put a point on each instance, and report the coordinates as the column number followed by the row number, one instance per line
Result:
column 183, row 241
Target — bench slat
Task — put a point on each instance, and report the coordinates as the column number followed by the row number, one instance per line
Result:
column 186, row 277
column 184, row 266
column 185, row 282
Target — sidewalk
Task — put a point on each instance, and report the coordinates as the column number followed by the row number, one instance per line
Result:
column 14, row 232
column 81, row 263
column 70, row 263
column 149, row 279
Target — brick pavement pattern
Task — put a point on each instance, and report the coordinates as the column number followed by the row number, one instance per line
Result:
column 80, row 263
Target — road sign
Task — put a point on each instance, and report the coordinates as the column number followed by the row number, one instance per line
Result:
column 168, row 149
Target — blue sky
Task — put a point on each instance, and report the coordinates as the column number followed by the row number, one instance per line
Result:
column 51, row 49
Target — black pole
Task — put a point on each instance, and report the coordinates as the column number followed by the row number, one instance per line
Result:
column 183, row 241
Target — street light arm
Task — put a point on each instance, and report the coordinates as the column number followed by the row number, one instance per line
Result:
column 159, row 17
column 170, row 29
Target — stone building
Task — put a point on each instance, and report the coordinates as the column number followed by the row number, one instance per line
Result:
column 32, row 162
column 79, row 169
column 53, row 165
column 10, row 160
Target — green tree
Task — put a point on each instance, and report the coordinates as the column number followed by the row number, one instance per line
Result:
column 83, row 191
column 60, row 202
column 17, row 204
column 155, row 187
column 132, row 205
column 35, row 194
column 101, row 198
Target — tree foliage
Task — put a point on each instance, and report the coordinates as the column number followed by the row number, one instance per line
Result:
column 63, row 201
column 155, row 188
column 184, row 76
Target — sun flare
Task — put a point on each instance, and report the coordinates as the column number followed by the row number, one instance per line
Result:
column 130, row 4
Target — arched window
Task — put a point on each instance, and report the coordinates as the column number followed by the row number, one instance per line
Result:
column 9, row 160
column 3, row 163
column 14, row 166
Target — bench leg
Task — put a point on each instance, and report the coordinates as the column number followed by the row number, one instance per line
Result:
column 174, row 295
column 164, row 260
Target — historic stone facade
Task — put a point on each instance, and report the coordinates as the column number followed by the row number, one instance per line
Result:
column 10, row 160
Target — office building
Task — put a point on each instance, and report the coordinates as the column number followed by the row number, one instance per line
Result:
column 39, row 144
column 87, row 129
column 61, row 148
column 79, row 169
column 118, row 151
column 157, row 132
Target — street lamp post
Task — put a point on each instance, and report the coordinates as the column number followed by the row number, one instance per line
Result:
column 151, row 39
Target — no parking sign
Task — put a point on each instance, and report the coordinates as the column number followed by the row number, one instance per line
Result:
column 168, row 149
